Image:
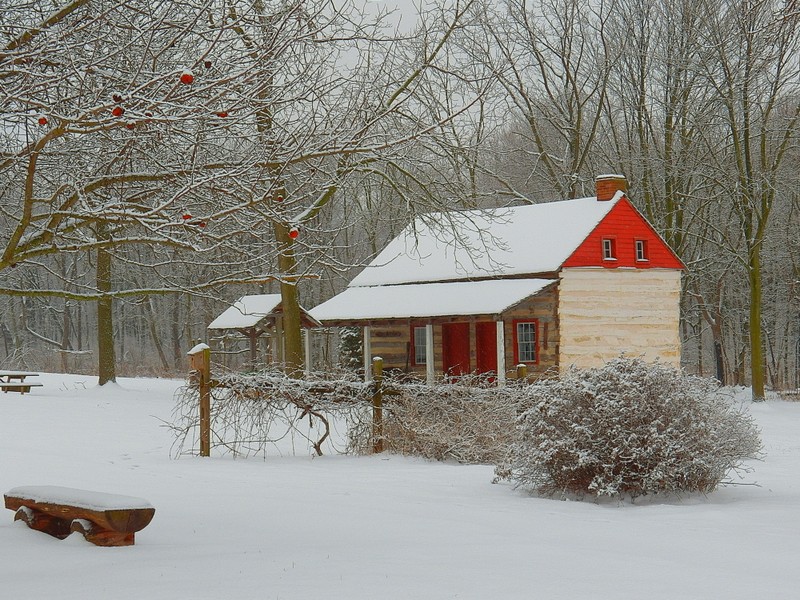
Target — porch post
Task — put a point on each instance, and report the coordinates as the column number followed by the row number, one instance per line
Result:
column 307, row 351
column 367, row 354
column 277, row 348
column 501, row 352
column 252, row 333
column 430, row 359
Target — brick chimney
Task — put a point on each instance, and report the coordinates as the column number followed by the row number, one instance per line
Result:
column 608, row 185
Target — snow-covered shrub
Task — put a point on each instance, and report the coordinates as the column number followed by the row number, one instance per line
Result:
column 627, row 429
column 471, row 421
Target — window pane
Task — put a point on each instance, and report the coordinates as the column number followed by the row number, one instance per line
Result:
column 420, row 346
column 608, row 248
column 641, row 250
column 526, row 342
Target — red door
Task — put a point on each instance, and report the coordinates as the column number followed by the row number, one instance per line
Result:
column 455, row 348
column 486, row 346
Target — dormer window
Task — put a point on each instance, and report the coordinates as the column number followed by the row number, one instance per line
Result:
column 641, row 251
column 609, row 249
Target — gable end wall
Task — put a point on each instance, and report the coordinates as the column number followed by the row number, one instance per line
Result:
column 624, row 224
column 604, row 312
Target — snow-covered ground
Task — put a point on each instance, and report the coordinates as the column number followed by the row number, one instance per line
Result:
column 342, row 527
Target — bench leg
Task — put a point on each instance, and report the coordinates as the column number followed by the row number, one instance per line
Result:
column 40, row 521
column 99, row 536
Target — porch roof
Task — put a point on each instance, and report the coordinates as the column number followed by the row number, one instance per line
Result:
column 410, row 301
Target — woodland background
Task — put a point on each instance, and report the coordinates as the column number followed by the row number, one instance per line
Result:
column 123, row 233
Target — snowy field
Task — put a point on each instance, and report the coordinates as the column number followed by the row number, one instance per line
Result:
column 382, row 527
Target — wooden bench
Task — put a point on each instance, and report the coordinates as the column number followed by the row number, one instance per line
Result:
column 103, row 519
column 14, row 381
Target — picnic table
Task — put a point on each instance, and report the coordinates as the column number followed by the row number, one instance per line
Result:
column 14, row 381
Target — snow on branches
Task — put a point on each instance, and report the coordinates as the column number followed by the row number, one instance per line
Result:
column 471, row 421
column 628, row 429
column 251, row 413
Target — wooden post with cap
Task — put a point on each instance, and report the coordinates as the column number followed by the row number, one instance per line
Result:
column 200, row 364
column 377, row 405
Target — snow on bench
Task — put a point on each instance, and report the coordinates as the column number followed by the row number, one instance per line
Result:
column 103, row 519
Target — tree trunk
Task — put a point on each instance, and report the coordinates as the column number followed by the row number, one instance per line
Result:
column 756, row 346
column 106, row 360
column 66, row 327
column 154, row 335
column 292, row 337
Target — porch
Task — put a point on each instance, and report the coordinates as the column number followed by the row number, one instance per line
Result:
column 453, row 329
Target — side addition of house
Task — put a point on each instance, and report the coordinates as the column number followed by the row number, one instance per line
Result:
column 259, row 316
column 575, row 282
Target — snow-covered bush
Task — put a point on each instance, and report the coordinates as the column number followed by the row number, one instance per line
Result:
column 628, row 429
column 471, row 421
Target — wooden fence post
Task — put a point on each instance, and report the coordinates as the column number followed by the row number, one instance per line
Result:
column 377, row 405
column 522, row 371
column 200, row 364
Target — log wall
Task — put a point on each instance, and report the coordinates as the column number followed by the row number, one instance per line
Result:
column 391, row 341
column 544, row 308
column 603, row 312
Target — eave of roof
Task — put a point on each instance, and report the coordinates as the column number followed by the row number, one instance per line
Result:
column 428, row 300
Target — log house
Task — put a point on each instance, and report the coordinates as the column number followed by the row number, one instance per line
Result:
column 550, row 285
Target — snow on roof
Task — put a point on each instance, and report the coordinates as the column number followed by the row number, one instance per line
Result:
column 428, row 299
column 247, row 311
column 536, row 238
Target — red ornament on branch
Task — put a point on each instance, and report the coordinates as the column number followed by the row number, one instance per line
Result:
column 222, row 114
column 294, row 232
column 278, row 198
column 42, row 120
column 116, row 98
column 130, row 124
column 117, row 111
column 207, row 64
column 187, row 77
column 186, row 217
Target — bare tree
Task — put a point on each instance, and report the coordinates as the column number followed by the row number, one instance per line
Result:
column 213, row 133
column 554, row 59
column 754, row 73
